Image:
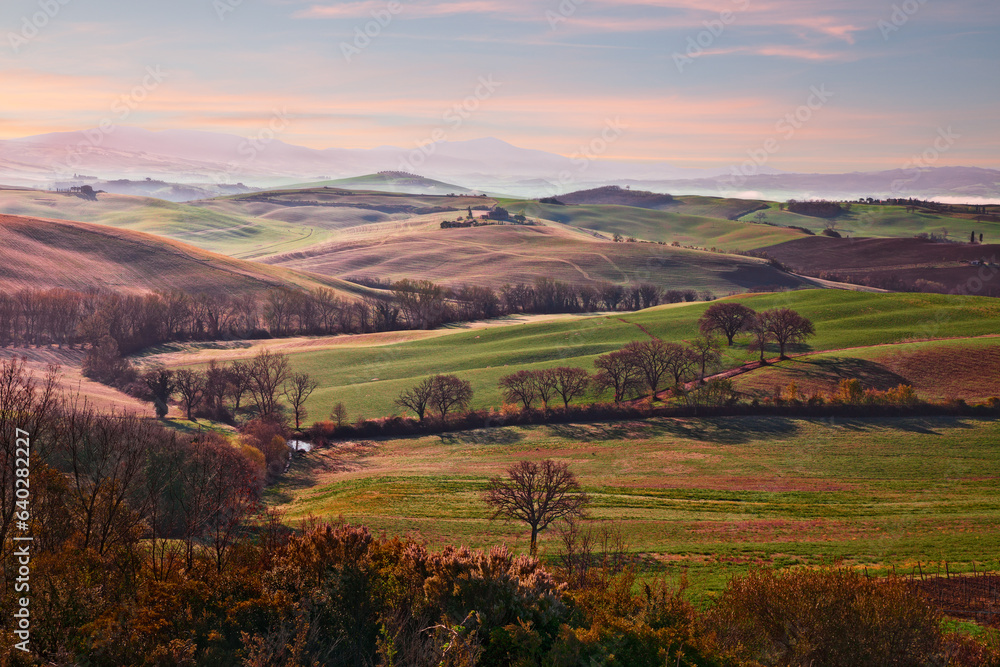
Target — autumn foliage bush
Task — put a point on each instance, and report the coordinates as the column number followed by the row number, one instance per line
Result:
column 837, row 618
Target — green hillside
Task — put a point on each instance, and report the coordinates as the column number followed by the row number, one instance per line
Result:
column 888, row 221
column 706, row 498
column 367, row 380
column 697, row 221
column 222, row 232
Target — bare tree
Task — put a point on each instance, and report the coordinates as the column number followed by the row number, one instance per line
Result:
column 727, row 318
column 617, row 371
column 268, row 372
column 544, row 381
column 653, row 359
column 239, row 381
column 448, row 392
column 760, row 335
column 787, row 326
column 571, row 383
column 536, row 494
column 708, row 350
column 417, row 398
column 297, row 389
column 339, row 414
column 519, row 387
column 160, row 383
column 191, row 387
column 679, row 362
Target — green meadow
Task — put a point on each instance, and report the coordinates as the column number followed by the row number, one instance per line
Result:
column 705, row 497
column 367, row 379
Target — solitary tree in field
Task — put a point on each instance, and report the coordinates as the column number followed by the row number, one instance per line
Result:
column 417, row 398
column 726, row 318
column 449, row 392
column 571, row 383
column 297, row 390
column 787, row 326
column 536, row 494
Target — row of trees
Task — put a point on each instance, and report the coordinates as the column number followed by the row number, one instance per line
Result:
column 640, row 366
column 222, row 391
column 133, row 322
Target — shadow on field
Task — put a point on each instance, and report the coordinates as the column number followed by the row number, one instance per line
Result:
column 921, row 425
column 718, row 431
column 871, row 375
column 483, row 436
column 347, row 457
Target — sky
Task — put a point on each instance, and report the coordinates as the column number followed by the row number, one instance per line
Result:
column 798, row 85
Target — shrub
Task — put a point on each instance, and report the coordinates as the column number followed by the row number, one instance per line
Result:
column 829, row 618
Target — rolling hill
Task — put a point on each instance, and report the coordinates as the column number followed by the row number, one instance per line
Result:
column 896, row 263
column 496, row 255
column 330, row 210
column 699, row 221
column 392, row 181
column 367, row 377
column 888, row 221
column 216, row 231
column 42, row 253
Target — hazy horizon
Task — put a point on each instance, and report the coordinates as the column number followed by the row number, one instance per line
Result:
column 794, row 86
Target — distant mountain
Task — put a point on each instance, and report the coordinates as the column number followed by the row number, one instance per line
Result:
column 487, row 164
column 392, row 181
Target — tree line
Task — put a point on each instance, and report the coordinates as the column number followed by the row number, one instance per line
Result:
column 137, row 321
column 638, row 368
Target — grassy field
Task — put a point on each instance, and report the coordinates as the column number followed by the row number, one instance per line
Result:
column 368, row 378
column 938, row 370
column 42, row 254
column 706, row 497
column 697, row 221
column 509, row 254
column 217, row 231
column 890, row 221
